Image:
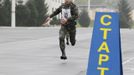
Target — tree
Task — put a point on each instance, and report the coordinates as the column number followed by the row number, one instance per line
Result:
column 7, row 7
column 2, row 16
column 42, row 10
column 33, row 13
column 125, row 14
column 5, row 13
column 55, row 21
column 84, row 19
column 22, row 15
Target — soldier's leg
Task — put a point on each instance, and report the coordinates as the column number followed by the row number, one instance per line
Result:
column 62, row 34
column 67, row 38
column 73, row 36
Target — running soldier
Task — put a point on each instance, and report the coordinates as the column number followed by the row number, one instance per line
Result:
column 69, row 15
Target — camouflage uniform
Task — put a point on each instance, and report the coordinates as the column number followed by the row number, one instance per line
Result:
column 69, row 27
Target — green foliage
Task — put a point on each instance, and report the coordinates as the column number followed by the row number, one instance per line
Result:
column 22, row 15
column 84, row 19
column 2, row 17
column 5, row 13
column 125, row 14
column 42, row 10
column 33, row 13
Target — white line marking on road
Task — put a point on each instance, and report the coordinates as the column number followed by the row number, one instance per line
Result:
column 127, row 61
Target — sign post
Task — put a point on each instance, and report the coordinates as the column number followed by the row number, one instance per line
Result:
column 105, row 52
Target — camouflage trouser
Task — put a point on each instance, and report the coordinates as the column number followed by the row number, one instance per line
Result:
column 63, row 33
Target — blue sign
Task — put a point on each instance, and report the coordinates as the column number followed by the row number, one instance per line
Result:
column 105, row 52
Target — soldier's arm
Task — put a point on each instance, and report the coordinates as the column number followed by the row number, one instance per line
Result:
column 75, row 14
column 58, row 10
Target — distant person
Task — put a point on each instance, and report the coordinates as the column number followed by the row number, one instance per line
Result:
column 69, row 15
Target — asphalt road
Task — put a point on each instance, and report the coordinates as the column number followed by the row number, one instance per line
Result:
column 35, row 51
